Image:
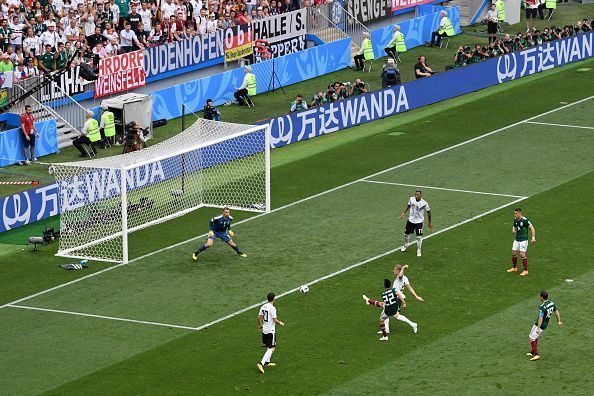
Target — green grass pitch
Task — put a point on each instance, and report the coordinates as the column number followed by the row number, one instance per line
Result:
column 166, row 325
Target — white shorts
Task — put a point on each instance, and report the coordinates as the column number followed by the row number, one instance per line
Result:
column 520, row 246
column 534, row 333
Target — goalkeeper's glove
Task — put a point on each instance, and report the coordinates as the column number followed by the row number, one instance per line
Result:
column 232, row 234
column 210, row 233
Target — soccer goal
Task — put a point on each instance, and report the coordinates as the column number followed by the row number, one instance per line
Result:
column 210, row 164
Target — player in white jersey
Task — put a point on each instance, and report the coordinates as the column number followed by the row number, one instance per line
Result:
column 418, row 207
column 400, row 282
column 267, row 322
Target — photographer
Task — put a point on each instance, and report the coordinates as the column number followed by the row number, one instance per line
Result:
column 358, row 88
column 422, row 69
column 390, row 75
column 461, row 57
column 211, row 112
column 318, row 100
column 134, row 138
column 298, row 104
column 508, row 43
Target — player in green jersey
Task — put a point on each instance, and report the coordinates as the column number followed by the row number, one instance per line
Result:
column 391, row 305
column 520, row 228
column 545, row 311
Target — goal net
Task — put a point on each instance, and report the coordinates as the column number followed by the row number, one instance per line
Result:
column 210, row 164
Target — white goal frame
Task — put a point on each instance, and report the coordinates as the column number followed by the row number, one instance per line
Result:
column 125, row 168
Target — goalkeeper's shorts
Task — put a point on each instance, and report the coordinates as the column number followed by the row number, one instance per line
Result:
column 223, row 236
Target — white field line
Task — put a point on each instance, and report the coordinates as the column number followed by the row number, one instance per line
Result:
column 302, row 200
column 444, row 189
column 285, row 293
column 100, row 316
column 559, row 125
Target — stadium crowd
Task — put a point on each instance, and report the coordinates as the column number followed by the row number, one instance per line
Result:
column 38, row 36
column 466, row 55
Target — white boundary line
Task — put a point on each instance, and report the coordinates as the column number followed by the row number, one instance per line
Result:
column 286, row 293
column 559, row 125
column 303, row 200
column 100, row 316
column 444, row 189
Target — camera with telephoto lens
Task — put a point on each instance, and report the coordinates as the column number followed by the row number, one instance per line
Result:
column 50, row 234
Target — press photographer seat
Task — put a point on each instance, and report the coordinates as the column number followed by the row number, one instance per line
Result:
column 247, row 99
column 370, row 63
column 445, row 40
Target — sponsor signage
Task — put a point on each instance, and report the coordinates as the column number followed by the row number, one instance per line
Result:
column 70, row 83
column 186, row 53
column 368, row 10
column 285, row 33
column 120, row 73
column 399, row 5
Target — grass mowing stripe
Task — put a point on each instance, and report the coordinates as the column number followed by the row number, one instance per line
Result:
column 443, row 189
column 559, row 125
column 308, row 198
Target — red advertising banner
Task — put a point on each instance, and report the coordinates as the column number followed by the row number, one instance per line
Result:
column 120, row 73
column 398, row 5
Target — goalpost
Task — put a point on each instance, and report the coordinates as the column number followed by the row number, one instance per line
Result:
column 210, row 164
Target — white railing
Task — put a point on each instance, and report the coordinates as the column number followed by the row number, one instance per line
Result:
column 335, row 14
column 68, row 110
column 319, row 23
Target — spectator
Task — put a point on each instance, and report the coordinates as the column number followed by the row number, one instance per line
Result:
column 318, row 100
column 390, row 75
column 167, row 9
column 358, row 88
column 123, row 8
column 298, row 104
column 134, row 19
column 31, row 43
column 60, row 57
column 492, row 20
column 6, row 64
column 32, row 70
column 128, row 39
column 96, row 38
column 72, row 32
column 364, row 53
column 211, row 112
column 50, row 37
column 146, row 15
column 112, row 48
column 27, row 128
column 100, row 51
column 5, row 35
column 17, row 31
column 397, row 44
column 422, row 69
column 157, row 36
column 445, row 29
column 248, row 87
column 20, row 73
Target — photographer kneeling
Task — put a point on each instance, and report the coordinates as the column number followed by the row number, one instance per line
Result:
column 298, row 104
column 134, row 138
column 211, row 112
column 358, row 88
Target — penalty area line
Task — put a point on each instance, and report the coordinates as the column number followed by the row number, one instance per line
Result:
column 559, row 125
column 444, row 189
column 283, row 294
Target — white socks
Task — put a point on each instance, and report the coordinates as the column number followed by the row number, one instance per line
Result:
column 406, row 240
column 419, row 242
column 404, row 319
column 267, row 356
column 387, row 325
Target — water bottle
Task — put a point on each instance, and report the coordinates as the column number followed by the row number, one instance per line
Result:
column 83, row 261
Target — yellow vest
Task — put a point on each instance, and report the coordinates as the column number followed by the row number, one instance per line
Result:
column 448, row 28
column 501, row 10
column 551, row 4
column 367, row 49
column 251, row 86
column 400, row 44
column 108, row 124
column 94, row 135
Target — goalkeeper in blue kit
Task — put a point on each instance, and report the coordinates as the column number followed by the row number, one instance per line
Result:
column 220, row 227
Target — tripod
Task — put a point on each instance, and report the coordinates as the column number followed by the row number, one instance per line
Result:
column 274, row 77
